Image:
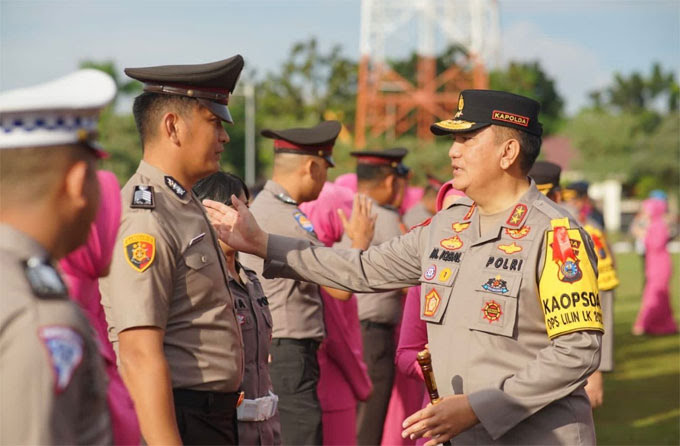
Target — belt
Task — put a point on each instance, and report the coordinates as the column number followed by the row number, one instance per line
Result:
column 259, row 409
column 311, row 344
column 379, row 325
column 206, row 400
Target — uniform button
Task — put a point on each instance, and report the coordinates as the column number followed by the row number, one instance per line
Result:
column 203, row 259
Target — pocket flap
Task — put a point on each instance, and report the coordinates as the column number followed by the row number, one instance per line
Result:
column 494, row 313
column 433, row 301
column 197, row 257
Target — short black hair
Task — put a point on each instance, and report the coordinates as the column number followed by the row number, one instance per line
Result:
column 220, row 186
column 530, row 145
column 372, row 173
column 148, row 108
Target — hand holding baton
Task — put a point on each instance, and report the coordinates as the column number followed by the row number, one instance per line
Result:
column 425, row 361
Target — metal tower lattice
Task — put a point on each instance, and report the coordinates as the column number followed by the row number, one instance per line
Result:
column 388, row 103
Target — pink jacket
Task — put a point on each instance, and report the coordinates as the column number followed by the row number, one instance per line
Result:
column 82, row 270
column 344, row 377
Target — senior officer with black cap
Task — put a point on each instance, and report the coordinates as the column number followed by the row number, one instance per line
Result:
column 508, row 280
column 52, row 377
column 302, row 157
column 378, row 173
column 171, row 316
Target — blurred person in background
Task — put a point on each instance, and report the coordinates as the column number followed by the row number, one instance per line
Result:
column 656, row 314
column 343, row 380
column 82, row 269
column 258, row 421
column 53, row 382
column 426, row 207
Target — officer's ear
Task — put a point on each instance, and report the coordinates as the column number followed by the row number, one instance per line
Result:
column 75, row 184
column 510, row 151
column 171, row 127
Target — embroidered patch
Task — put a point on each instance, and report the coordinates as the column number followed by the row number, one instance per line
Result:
column 140, row 251
column 45, row 281
column 174, row 186
column 65, row 349
column 496, row 285
column 430, row 272
column 470, row 212
column 241, row 319
column 304, row 222
column 432, row 301
column 511, row 248
column 565, row 254
column 504, row 263
column 517, row 215
column 451, row 243
column 445, row 274
column 510, row 117
column 143, row 197
column 518, row 233
column 445, row 256
column 492, row 311
column 460, row 227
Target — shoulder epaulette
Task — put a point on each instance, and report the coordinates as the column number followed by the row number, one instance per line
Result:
column 45, row 281
column 143, row 197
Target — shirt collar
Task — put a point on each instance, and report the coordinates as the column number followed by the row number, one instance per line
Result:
column 279, row 192
column 164, row 181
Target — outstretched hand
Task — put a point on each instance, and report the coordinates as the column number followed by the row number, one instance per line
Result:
column 237, row 227
column 360, row 227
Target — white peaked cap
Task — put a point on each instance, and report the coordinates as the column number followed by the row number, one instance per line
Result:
column 62, row 111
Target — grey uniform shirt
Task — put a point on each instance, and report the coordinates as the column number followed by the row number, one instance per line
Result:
column 168, row 271
column 416, row 215
column 382, row 307
column 252, row 309
column 52, row 379
column 296, row 306
column 490, row 302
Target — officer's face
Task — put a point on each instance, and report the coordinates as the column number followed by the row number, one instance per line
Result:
column 474, row 159
column 205, row 142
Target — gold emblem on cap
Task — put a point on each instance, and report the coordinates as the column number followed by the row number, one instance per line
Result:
column 450, row 124
column 320, row 152
column 83, row 135
column 461, row 104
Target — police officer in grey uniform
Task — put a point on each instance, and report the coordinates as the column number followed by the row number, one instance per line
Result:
column 258, row 422
column 171, row 317
column 378, row 172
column 427, row 206
column 302, row 158
column 52, row 378
column 508, row 279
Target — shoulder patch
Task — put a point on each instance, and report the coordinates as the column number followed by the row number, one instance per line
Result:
column 143, row 197
column 304, row 222
column 174, row 186
column 45, row 281
column 64, row 348
column 140, row 251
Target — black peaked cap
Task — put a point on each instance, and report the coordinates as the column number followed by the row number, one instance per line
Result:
column 324, row 133
column 480, row 108
column 545, row 172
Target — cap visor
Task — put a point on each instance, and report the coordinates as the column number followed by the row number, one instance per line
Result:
column 99, row 152
column 219, row 110
column 329, row 159
column 456, row 126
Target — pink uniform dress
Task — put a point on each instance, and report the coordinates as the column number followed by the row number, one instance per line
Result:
column 343, row 374
column 656, row 315
column 82, row 270
column 408, row 392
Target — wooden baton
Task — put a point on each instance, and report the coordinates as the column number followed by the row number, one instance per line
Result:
column 425, row 362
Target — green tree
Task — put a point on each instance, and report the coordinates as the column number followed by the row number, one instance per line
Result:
column 529, row 79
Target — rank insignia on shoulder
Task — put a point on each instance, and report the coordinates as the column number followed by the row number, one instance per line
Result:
column 451, row 243
column 518, row 233
column 45, row 281
column 496, row 285
column 143, row 197
column 460, row 227
column 174, row 186
column 518, row 215
column 64, row 348
column 140, row 251
column 285, row 198
column 432, row 301
column 304, row 222
column 511, row 248
column 492, row 311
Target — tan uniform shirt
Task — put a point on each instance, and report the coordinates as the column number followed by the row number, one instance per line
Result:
column 384, row 307
column 296, row 306
column 513, row 316
column 416, row 215
column 252, row 309
column 169, row 272
column 52, row 379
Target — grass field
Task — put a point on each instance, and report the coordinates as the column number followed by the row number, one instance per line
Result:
column 642, row 396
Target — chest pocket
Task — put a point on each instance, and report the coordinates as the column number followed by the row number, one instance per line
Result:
column 436, row 287
column 243, row 314
column 494, row 305
column 201, row 277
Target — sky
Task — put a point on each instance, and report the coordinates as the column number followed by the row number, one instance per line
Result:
column 581, row 44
